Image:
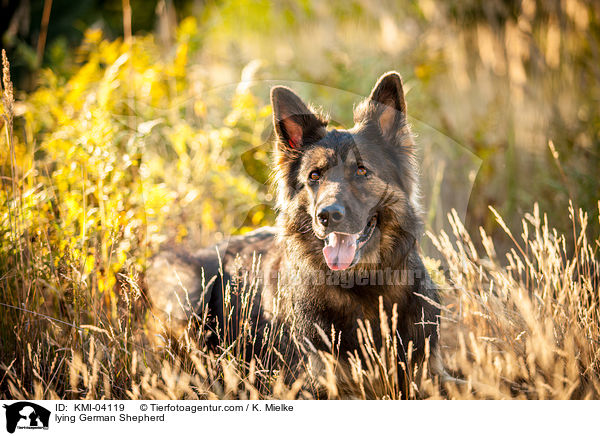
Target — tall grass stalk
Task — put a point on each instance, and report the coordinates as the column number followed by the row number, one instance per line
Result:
column 526, row 326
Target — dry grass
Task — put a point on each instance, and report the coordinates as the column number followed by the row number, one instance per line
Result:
column 522, row 326
column 529, row 329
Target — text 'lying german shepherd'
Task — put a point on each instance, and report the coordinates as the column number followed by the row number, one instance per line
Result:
column 345, row 246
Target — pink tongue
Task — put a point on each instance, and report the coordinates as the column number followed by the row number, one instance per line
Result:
column 339, row 251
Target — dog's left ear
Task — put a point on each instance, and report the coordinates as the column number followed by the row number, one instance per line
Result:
column 386, row 104
column 295, row 124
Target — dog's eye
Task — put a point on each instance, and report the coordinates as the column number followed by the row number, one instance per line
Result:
column 361, row 171
column 314, row 175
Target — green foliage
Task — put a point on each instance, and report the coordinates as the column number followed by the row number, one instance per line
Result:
column 123, row 146
column 107, row 158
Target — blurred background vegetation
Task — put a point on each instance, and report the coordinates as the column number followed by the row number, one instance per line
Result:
column 501, row 78
column 138, row 122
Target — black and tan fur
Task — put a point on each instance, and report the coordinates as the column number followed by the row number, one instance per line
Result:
column 367, row 176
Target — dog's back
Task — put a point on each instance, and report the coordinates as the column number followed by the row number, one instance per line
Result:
column 182, row 283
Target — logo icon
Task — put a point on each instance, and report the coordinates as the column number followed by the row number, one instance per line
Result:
column 26, row 415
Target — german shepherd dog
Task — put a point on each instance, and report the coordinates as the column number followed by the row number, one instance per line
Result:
column 346, row 240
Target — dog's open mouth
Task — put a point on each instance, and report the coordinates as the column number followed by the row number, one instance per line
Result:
column 341, row 249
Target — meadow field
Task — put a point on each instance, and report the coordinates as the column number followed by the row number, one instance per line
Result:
column 152, row 126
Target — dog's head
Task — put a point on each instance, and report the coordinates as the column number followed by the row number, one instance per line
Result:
column 349, row 195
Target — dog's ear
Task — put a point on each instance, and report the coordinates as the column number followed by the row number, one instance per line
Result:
column 386, row 105
column 295, row 124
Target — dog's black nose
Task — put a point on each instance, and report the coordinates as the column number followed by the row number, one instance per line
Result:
column 333, row 213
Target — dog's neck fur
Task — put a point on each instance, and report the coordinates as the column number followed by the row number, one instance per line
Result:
column 327, row 300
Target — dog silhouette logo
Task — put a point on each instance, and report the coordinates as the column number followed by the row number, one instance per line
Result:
column 26, row 415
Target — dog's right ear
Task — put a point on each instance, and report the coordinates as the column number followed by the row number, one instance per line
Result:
column 295, row 124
